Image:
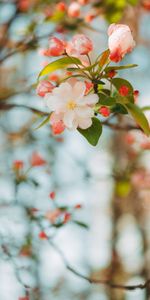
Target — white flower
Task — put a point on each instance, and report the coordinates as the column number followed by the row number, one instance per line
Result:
column 70, row 103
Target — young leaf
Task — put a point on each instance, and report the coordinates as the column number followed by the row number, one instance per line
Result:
column 93, row 133
column 139, row 117
column 81, row 224
column 120, row 109
column 104, row 58
column 60, row 63
column 106, row 100
column 45, row 121
column 108, row 69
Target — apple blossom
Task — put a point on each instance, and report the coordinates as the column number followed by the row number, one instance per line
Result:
column 120, row 41
column 74, row 10
column 37, row 160
column 79, row 45
column 53, row 215
column 71, row 106
column 56, row 47
column 44, row 87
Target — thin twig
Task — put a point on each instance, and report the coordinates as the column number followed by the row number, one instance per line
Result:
column 98, row 281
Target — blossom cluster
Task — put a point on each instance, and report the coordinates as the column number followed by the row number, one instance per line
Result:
column 75, row 100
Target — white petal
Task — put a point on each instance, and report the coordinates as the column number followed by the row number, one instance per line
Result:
column 78, row 90
column 85, row 123
column 89, row 99
column 54, row 103
column 84, row 112
column 64, row 91
column 68, row 119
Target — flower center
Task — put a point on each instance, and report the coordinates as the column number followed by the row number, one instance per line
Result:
column 71, row 105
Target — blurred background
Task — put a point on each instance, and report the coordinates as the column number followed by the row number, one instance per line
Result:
column 63, row 203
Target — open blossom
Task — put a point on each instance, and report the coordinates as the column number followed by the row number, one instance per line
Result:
column 80, row 45
column 71, row 106
column 74, row 10
column 120, row 41
column 53, row 215
column 44, row 87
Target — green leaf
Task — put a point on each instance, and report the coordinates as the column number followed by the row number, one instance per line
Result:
column 124, row 100
column 60, row 63
column 139, row 117
column 57, row 16
column 118, row 108
column 108, row 69
column 104, row 58
column 145, row 108
column 118, row 82
column 93, row 133
column 81, row 224
column 106, row 100
column 45, row 121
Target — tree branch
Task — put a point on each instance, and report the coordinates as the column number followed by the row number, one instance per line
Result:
column 6, row 106
column 98, row 281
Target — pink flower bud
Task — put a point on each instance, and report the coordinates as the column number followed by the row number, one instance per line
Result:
column 44, row 87
column 24, row 5
column 18, row 165
column 74, row 10
column 52, row 195
column 89, row 86
column 112, row 73
column 56, row 47
column 104, row 111
column 124, row 90
column 80, row 45
column 43, row 235
column 90, row 17
column 67, row 217
column 83, row 2
column 57, row 124
column 120, row 41
column 61, row 6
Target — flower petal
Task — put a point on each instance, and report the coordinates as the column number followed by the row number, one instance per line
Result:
column 78, row 90
column 84, row 112
column 89, row 99
column 64, row 91
column 69, row 118
column 85, row 123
